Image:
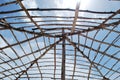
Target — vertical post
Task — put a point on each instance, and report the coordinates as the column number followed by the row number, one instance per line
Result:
column 63, row 57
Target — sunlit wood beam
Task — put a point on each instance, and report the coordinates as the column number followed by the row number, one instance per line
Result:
column 76, row 16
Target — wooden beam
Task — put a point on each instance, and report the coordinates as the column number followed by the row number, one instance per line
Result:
column 74, row 45
column 63, row 58
column 75, row 60
column 34, row 61
column 76, row 16
column 28, row 15
column 54, row 60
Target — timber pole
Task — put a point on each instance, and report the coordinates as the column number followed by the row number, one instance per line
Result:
column 63, row 57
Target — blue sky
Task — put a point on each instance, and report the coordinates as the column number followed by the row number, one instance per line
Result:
column 93, row 5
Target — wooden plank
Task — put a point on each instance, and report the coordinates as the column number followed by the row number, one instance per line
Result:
column 63, row 58
column 34, row 61
column 28, row 15
column 76, row 16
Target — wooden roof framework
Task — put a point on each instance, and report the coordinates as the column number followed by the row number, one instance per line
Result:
column 61, row 57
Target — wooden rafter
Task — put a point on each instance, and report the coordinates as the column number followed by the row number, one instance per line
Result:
column 28, row 15
column 76, row 16
column 34, row 61
column 63, row 58
column 49, row 46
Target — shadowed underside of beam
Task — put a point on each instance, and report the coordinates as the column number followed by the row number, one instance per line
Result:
column 36, row 44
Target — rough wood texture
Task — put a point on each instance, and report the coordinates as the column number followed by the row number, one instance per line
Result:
column 58, row 47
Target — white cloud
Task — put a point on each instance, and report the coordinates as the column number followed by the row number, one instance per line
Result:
column 30, row 3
